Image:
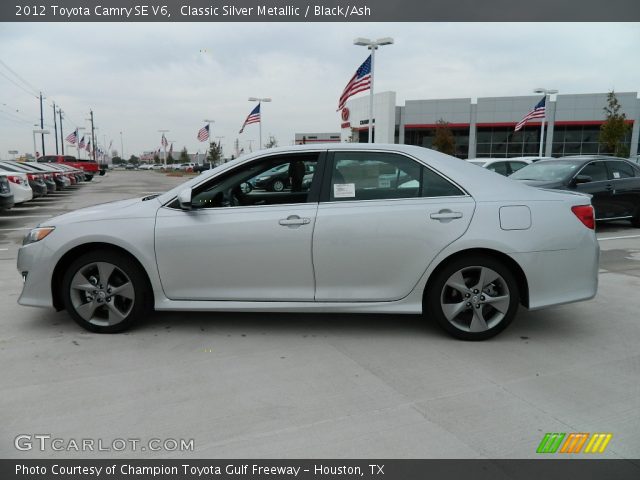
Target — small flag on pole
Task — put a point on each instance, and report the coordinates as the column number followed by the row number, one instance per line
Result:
column 360, row 82
column 88, row 149
column 72, row 138
column 81, row 144
column 253, row 117
column 171, row 149
column 164, row 142
column 203, row 133
column 537, row 112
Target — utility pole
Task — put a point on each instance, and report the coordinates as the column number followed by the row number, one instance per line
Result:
column 61, row 135
column 41, row 123
column 93, row 140
column 55, row 126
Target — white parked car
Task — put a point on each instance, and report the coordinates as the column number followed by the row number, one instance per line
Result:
column 18, row 185
column 462, row 245
column 145, row 166
column 504, row 166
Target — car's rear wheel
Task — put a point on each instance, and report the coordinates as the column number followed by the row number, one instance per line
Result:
column 105, row 291
column 635, row 221
column 88, row 178
column 473, row 298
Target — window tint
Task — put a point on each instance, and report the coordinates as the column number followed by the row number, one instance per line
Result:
column 498, row 167
column 620, row 170
column 596, row 170
column 377, row 175
column 515, row 166
column 374, row 176
column 272, row 181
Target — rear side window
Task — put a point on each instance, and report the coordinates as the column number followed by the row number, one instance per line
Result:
column 596, row 170
column 620, row 170
column 499, row 167
column 379, row 175
column 515, row 166
column 47, row 159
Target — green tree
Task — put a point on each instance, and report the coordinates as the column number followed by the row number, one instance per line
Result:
column 184, row 156
column 156, row 158
column 214, row 156
column 444, row 140
column 614, row 130
column 117, row 160
column 170, row 159
column 133, row 159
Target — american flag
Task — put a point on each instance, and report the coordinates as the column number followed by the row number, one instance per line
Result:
column 88, row 149
column 254, row 117
column 203, row 134
column 360, row 82
column 537, row 112
column 72, row 138
column 163, row 141
column 81, row 144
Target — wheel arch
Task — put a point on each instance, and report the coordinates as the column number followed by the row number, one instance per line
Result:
column 521, row 278
column 72, row 254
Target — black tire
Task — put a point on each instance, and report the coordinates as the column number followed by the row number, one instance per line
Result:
column 277, row 186
column 88, row 178
column 136, row 308
column 440, row 294
column 635, row 221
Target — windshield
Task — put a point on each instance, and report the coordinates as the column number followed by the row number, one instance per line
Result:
column 546, row 171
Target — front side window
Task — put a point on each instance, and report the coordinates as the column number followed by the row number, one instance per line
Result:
column 277, row 180
column 498, row 167
column 379, row 175
column 596, row 170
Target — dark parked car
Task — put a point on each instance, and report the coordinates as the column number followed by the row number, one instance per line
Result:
column 6, row 198
column 613, row 182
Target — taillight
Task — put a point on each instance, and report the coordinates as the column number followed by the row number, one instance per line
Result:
column 14, row 179
column 31, row 177
column 585, row 215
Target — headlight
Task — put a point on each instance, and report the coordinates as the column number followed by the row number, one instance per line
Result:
column 37, row 234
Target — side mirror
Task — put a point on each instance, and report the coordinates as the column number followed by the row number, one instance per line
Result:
column 184, row 199
column 582, row 179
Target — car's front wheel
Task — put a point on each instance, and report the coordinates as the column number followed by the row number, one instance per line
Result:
column 105, row 291
column 473, row 298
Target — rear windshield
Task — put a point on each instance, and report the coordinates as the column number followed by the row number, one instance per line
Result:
column 548, row 170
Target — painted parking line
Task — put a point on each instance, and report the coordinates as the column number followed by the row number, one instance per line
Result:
column 602, row 239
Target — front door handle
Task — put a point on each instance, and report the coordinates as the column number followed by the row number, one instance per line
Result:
column 445, row 214
column 294, row 220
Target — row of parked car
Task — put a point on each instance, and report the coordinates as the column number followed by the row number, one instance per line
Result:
column 21, row 182
column 176, row 167
column 612, row 182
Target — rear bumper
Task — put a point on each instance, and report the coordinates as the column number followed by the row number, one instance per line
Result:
column 561, row 276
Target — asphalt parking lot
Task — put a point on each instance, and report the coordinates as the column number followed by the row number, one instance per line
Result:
column 318, row 386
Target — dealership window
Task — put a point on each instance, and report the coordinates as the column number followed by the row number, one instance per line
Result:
column 504, row 142
column 275, row 180
column 580, row 140
column 424, row 137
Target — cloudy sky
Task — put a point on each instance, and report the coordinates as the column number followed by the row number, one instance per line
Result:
column 139, row 78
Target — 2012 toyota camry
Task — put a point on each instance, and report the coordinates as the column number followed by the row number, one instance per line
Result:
column 380, row 228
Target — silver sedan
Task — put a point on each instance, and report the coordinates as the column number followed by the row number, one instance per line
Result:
column 377, row 229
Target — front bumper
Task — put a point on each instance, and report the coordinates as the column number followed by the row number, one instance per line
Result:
column 33, row 265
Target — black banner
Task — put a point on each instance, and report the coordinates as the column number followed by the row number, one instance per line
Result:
column 320, row 11
column 545, row 469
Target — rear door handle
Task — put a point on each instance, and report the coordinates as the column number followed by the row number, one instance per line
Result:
column 294, row 220
column 443, row 215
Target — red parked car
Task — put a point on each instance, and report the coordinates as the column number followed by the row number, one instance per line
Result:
column 89, row 167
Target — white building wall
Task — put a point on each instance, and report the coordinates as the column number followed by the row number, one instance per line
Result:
column 384, row 114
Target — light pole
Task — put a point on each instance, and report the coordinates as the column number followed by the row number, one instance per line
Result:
column 41, row 132
column 165, row 147
column 547, row 94
column 260, row 100
column 373, row 46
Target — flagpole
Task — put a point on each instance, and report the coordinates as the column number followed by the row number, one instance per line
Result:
column 373, row 46
column 542, row 130
column 547, row 97
column 260, row 108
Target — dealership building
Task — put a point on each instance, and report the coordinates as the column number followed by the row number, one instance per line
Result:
column 484, row 127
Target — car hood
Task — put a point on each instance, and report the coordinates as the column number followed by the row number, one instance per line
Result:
column 131, row 208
